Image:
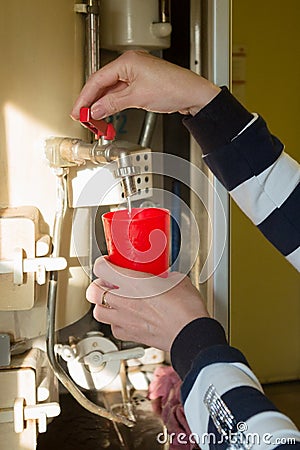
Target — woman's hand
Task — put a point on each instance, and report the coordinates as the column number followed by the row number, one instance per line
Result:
column 142, row 307
column 137, row 79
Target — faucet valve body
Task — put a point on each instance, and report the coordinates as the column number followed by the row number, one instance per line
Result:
column 106, row 131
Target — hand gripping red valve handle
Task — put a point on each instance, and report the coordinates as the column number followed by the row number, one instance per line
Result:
column 98, row 127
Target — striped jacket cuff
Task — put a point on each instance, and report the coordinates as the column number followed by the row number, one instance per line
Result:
column 250, row 162
column 254, row 151
column 219, row 122
column 193, row 338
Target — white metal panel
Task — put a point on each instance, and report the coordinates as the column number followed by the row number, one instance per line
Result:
column 210, row 56
column 219, row 61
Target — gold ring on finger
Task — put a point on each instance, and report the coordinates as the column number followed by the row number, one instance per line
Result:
column 103, row 300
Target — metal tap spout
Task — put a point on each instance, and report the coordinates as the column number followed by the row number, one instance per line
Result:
column 126, row 170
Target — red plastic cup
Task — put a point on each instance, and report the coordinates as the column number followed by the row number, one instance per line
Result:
column 140, row 240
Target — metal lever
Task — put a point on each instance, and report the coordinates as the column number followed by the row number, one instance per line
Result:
column 97, row 358
column 98, row 127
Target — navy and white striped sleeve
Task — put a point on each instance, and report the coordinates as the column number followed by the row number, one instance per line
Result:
column 252, row 165
column 203, row 359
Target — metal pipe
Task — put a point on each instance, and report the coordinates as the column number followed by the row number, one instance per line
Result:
column 92, row 65
column 125, row 388
column 92, row 38
column 147, row 129
column 164, row 11
column 51, row 313
column 61, row 208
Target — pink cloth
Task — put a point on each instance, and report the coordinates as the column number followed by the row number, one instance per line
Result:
column 164, row 391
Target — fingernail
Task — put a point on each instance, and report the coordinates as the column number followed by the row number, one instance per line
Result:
column 97, row 113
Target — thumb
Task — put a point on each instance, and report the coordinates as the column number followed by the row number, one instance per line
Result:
column 113, row 101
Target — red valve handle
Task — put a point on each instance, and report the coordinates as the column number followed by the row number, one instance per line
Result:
column 98, row 127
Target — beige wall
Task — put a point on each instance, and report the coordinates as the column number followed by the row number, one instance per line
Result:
column 265, row 289
column 41, row 48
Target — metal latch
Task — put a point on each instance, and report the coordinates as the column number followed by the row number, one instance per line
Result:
column 39, row 412
column 19, row 265
column 20, row 413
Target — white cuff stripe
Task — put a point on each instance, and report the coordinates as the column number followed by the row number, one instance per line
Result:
column 261, row 194
column 270, row 427
column 294, row 258
column 255, row 117
column 224, row 377
column 248, row 372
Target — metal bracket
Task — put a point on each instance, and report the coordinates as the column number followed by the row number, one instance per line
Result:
column 80, row 8
column 4, row 349
column 84, row 8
